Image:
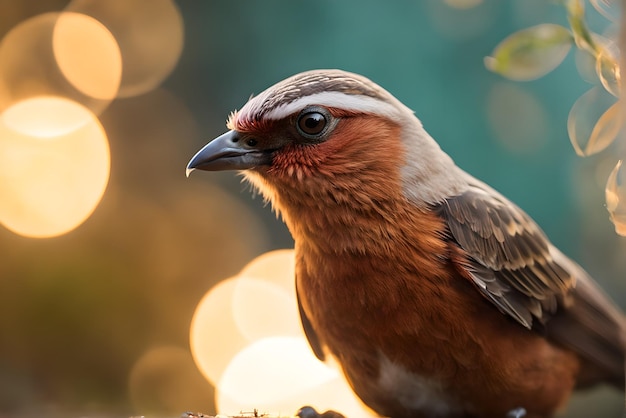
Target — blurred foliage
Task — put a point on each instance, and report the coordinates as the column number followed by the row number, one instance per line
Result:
column 531, row 53
column 595, row 121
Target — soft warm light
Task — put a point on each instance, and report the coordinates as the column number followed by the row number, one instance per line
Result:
column 50, row 183
column 87, row 55
column 149, row 34
column 278, row 266
column 272, row 370
column 214, row 336
column 262, row 309
column 259, row 302
column 235, row 313
column 279, row 375
column 246, row 338
column 267, row 285
column 46, row 116
column 59, row 54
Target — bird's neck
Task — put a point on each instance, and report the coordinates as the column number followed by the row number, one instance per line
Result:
column 373, row 218
column 357, row 193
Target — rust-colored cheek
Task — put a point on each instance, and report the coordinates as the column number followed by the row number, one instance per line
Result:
column 364, row 144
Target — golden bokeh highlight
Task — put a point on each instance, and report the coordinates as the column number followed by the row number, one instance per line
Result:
column 29, row 66
column 46, row 116
column 159, row 382
column 214, row 335
column 88, row 55
column 279, row 375
column 275, row 310
column 278, row 267
column 246, row 339
column 284, row 368
column 267, row 281
column 51, row 182
column 58, row 72
column 150, row 34
column 256, row 303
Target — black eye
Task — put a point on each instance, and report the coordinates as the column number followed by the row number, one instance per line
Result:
column 251, row 142
column 312, row 123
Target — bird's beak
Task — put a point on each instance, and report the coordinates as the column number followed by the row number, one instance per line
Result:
column 228, row 152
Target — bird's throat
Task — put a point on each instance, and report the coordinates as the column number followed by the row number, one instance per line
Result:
column 340, row 219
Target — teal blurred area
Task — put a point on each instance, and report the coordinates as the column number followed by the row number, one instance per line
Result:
column 81, row 313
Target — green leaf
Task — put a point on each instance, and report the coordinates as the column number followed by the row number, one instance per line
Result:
column 530, row 53
column 583, row 37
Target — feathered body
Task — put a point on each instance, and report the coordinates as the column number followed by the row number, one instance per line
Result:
column 438, row 296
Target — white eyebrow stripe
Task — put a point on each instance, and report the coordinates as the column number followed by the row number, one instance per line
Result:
column 349, row 102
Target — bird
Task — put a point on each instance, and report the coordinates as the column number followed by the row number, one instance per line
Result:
column 436, row 295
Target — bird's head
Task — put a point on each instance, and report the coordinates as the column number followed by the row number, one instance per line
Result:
column 330, row 132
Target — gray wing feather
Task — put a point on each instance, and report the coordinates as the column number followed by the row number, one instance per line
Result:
column 593, row 325
column 510, row 256
column 514, row 266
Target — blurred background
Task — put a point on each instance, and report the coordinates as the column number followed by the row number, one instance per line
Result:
column 107, row 249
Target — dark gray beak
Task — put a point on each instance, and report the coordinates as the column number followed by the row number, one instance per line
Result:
column 228, row 152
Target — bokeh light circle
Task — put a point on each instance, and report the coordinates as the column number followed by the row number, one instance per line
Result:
column 258, row 303
column 279, row 375
column 46, row 55
column 286, row 366
column 150, row 34
column 214, row 336
column 46, row 116
column 88, row 55
column 264, row 309
column 278, row 266
column 52, row 182
column 264, row 302
column 247, row 340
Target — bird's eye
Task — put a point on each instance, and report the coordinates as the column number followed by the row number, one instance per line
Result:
column 311, row 123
